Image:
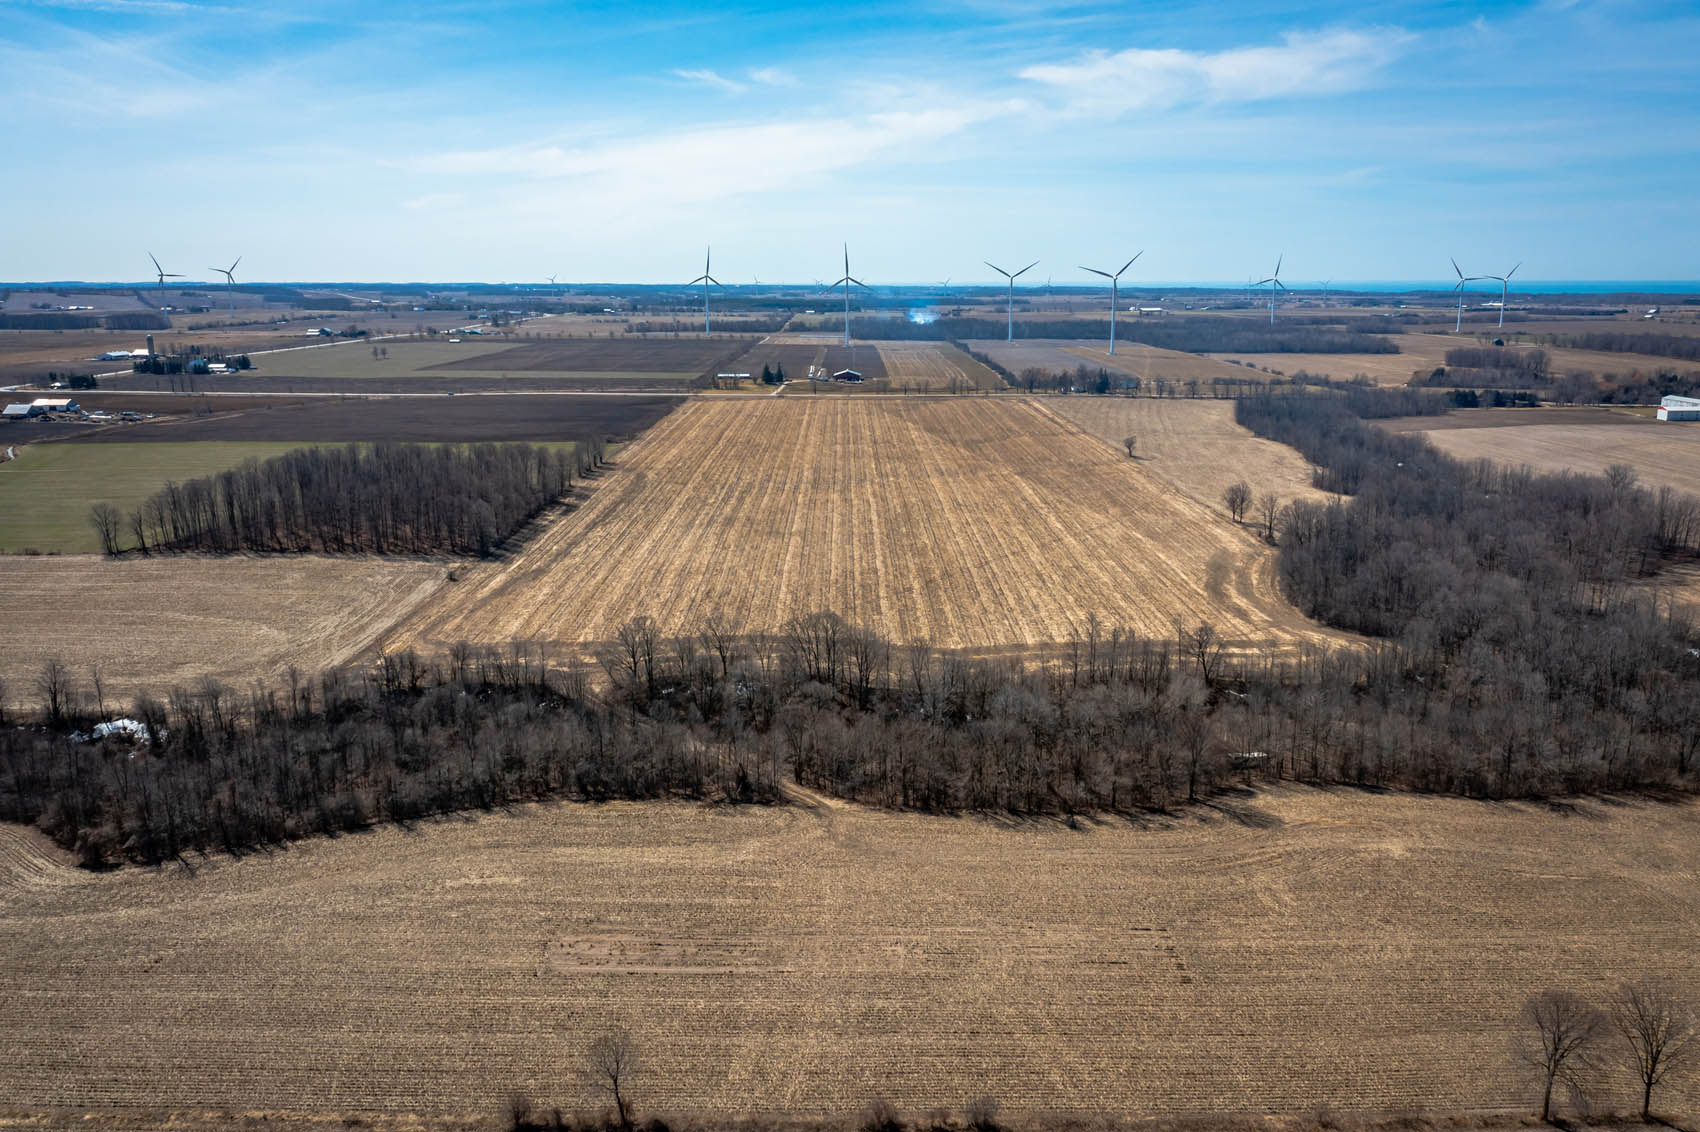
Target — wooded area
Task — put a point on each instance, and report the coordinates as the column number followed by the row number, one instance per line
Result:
column 378, row 499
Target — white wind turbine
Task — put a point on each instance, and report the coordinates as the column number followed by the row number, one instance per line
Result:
column 229, row 274
column 1012, row 279
column 845, row 283
column 705, row 279
column 1504, row 290
column 163, row 274
column 1275, row 284
column 1459, row 287
column 1115, row 300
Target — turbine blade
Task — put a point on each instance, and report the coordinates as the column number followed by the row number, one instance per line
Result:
column 1278, row 260
column 1261, row 282
column 1026, row 269
column 1513, row 271
column 1129, row 263
column 1279, row 284
column 697, row 280
column 994, row 267
column 1456, row 268
column 233, row 266
column 1095, row 271
column 861, row 284
column 156, row 265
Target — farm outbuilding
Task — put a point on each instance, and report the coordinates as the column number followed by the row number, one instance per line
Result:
column 55, row 405
column 1679, row 409
column 18, row 412
column 847, row 375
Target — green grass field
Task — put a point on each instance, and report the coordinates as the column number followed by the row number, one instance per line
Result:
column 46, row 493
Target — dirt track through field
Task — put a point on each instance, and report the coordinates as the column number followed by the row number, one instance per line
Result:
column 1270, row 954
column 971, row 523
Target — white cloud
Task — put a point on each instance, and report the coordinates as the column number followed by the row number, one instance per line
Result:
column 772, row 76
column 1141, row 78
column 708, row 163
column 710, row 78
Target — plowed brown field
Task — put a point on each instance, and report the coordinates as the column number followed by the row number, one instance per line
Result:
column 971, row 523
column 150, row 624
column 1195, row 445
column 1663, row 453
column 934, row 367
column 1283, row 951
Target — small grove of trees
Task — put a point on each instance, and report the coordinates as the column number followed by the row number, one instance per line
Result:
column 1562, row 1036
column 1237, row 499
column 382, row 499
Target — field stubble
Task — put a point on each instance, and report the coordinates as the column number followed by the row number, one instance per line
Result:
column 970, row 523
column 1269, row 954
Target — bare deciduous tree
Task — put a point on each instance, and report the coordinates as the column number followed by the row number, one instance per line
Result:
column 1129, row 443
column 1237, row 498
column 1559, row 1028
column 53, row 684
column 106, row 521
column 1268, row 510
column 1658, row 1030
column 612, row 1061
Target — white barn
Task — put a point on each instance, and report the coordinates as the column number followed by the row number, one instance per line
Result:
column 1679, row 409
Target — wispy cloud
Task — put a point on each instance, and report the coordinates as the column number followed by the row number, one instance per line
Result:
column 682, row 166
column 138, row 7
column 1143, row 78
column 710, row 78
column 772, row 76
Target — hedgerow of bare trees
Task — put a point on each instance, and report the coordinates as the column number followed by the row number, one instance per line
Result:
column 382, row 498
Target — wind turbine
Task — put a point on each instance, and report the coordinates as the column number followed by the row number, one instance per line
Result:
column 1325, row 284
column 1459, row 287
column 1115, row 301
column 163, row 274
column 552, row 279
column 1275, row 284
column 229, row 274
column 845, row 283
column 1012, row 279
column 1504, row 289
column 705, row 279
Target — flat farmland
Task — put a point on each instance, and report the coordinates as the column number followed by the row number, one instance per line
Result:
column 46, row 493
column 1196, row 446
column 969, row 522
column 1664, row 453
column 153, row 623
column 461, row 419
column 1423, row 352
column 1131, row 359
column 1269, row 954
column 680, row 358
column 934, row 366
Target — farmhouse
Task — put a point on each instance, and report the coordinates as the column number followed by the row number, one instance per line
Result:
column 1679, row 409
column 54, row 405
column 18, row 412
column 847, row 375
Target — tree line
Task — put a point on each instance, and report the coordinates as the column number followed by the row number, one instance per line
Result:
column 1683, row 346
column 359, row 498
column 1201, row 335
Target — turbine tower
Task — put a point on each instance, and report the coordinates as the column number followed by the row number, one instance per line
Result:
column 1504, row 290
column 705, row 279
column 1275, row 284
column 1012, row 279
column 229, row 274
column 163, row 274
column 845, row 283
column 1115, row 300
column 1458, row 326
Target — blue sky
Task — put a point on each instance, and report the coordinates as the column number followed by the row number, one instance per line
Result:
column 507, row 141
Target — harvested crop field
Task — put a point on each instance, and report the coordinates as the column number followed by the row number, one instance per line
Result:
column 934, row 367
column 978, row 523
column 1195, row 445
column 154, row 623
column 1273, row 953
column 687, row 357
column 1131, row 359
column 1664, row 453
column 539, row 417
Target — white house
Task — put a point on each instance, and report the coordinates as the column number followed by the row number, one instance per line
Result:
column 1679, row 409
